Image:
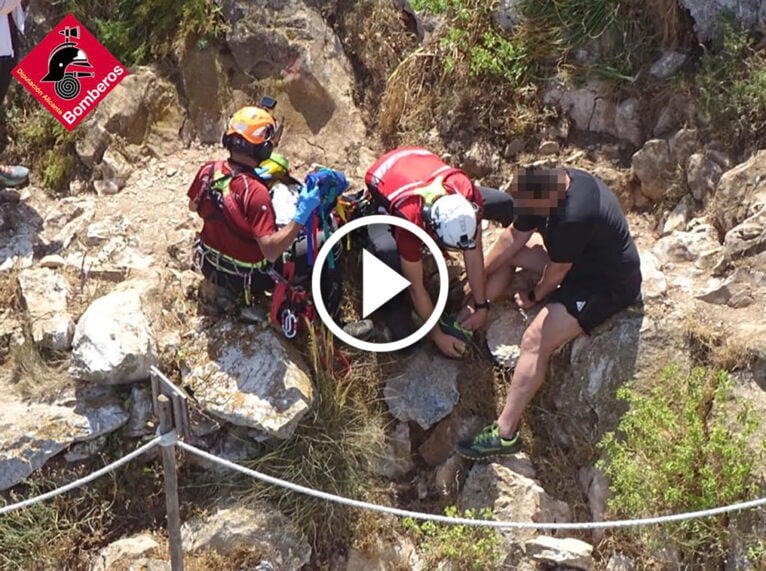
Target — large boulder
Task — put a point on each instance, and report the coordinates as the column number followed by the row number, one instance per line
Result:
column 699, row 245
column 31, row 433
column 45, row 293
column 113, row 340
column 654, row 166
column 289, row 46
column 142, row 110
column 425, row 391
column 739, row 189
column 249, row 377
column 206, row 84
column 261, row 528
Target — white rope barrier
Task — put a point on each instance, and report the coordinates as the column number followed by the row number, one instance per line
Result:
column 460, row 520
column 82, row 481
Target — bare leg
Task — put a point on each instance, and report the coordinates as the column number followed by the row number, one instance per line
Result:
column 552, row 328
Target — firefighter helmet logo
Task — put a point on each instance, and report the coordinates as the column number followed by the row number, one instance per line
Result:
column 64, row 63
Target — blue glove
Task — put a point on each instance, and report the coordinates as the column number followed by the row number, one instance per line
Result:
column 308, row 201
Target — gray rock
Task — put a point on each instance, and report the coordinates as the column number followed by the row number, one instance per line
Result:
column 595, row 484
column 707, row 15
column 549, row 148
column 627, row 122
column 702, row 174
column 678, row 110
column 683, row 144
column 261, row 528
column 116, row 167
column 31, row 433
column 739, row 190
column 249, row 377
column 206, row 84
column 45, row 295
column 511, row 497
column 508, row 14
column 83, row 450
column 653, row 284
column 480, row 160
column 749, row 237
column 113, row 341
column 678, row 217
column 426, row 391
column 590, row 106
column 141, row 412
column 669, row 63
column 124, row 551
column 621, row 562
column 568, row 552
column 389, row 553
column 699, row 245
column 397, row 458
column 654, row 167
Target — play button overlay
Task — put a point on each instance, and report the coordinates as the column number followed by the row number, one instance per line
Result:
column 379, row 283
column 375, row 273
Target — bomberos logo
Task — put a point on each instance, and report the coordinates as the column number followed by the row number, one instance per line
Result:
column 70, row 72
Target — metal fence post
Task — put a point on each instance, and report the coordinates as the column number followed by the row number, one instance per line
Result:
column 171, row 486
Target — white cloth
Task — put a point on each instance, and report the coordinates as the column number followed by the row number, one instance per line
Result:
column 12, row 7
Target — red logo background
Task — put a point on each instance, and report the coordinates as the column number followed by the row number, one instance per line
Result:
column 107, row 73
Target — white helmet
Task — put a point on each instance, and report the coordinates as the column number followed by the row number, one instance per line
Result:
column 453, row 219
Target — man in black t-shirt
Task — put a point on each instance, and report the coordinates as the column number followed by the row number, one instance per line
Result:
column 590, row 270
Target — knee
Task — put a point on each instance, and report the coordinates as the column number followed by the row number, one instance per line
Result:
column 534, row 343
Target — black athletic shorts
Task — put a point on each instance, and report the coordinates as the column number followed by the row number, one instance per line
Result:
column 590, row 305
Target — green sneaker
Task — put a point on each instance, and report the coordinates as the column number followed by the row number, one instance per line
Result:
column 488, row 443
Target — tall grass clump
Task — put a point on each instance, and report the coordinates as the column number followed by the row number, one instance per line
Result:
column 333, row 449
column 678, row 450
column 52, row 534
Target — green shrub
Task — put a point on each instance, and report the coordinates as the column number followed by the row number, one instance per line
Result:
column 674, row 451
column 140, row 31
column 731, row 84
column 466, row 546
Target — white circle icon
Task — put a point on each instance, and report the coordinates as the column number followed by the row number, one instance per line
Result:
column 376, row 289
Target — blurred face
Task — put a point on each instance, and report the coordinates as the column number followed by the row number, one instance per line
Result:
column 539, row 192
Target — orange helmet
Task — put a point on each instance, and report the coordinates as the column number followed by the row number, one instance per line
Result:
column 254, row 124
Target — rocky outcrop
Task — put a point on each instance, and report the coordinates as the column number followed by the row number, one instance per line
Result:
column 249, row 377
column 261, row 528
column 32, row 433
column 45, row 296
column 425, row 391
column 142, row 110
column 124, row 551
column 290, row 46
column 113, row 340
column 739, row 190
column 504, row 335
column 593, row 108
column 397, row 457
column 511, row 497
column 699, row 245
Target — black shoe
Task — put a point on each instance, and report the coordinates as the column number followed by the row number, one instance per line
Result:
column 488, row 444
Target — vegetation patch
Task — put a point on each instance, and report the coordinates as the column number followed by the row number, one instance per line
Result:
column 675, row 451
column 464, row 546
column 731, row 86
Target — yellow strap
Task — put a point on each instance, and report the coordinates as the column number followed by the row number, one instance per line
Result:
column 251, row 265
column 431, row 191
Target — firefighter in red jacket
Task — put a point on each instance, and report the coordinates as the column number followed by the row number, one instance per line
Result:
column 240, row 238
column 416, row 184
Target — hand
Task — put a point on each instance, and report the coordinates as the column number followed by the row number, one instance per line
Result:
column 475, row 319
column 308, row 201
column 522, row 300
column 449, row 345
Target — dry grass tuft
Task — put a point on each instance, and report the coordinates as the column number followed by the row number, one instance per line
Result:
column 712, row 347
